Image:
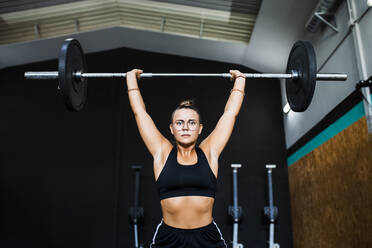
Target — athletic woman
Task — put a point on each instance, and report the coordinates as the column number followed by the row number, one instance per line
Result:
column 185, row 174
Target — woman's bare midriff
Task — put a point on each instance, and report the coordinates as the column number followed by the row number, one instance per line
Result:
column 187, row 212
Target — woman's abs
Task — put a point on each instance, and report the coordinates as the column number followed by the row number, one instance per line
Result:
column 187, row 212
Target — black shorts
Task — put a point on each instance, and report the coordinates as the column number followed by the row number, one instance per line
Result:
column 203, row 237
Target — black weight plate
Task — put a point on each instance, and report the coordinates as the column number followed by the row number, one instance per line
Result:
column 300, row 91
column 71, row 60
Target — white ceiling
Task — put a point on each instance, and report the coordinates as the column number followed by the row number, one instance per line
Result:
column 279, row 23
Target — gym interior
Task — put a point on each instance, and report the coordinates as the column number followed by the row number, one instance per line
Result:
column 84, row 178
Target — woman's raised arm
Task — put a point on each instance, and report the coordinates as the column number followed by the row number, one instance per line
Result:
column 217, row 140
column 153, row 139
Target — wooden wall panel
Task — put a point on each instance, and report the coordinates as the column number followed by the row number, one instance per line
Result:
column 331, row 192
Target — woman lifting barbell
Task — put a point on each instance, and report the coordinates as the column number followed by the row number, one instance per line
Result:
column 186, row 175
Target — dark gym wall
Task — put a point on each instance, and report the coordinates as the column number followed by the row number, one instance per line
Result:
column 57, row 186
column 331, row 192
column 65, row 178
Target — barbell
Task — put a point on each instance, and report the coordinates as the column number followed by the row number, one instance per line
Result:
column 301, row 75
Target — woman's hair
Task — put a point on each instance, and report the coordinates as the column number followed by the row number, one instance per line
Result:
column 187, row 104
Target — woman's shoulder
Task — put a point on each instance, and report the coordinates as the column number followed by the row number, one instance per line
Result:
column 161, row 158
column 166, row 149
column 205, row 149
column 211, row 156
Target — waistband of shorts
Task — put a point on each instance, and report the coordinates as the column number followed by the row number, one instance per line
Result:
column 198, row 229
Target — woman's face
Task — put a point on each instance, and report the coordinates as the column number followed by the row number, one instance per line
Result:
column 186, row 126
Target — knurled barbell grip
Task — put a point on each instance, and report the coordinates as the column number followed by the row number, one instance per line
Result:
column 54, row 75
column 319, row 76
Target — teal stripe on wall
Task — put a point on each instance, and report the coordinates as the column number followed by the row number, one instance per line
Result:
column 346, row 120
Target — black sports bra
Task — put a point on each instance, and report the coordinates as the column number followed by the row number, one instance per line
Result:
column 184, row 180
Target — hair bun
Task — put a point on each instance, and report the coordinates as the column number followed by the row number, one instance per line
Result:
column 187, row 103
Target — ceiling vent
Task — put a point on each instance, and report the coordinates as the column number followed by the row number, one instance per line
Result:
column 159, row 16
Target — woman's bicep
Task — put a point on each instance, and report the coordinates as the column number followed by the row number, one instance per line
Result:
column 150, row 135
column 219, row 137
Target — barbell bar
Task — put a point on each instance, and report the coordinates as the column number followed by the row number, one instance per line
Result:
column 300, row 76
column 293, row 75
